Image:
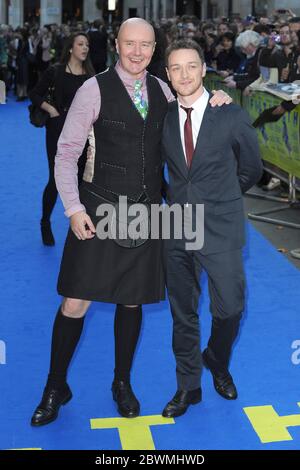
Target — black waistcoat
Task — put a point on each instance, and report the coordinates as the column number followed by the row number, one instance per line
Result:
column 128, row 148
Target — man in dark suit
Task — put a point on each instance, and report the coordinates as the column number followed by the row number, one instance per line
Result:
column 98, row 46
column 213, row 158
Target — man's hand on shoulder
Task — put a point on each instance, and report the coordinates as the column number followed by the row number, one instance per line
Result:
column 82, row 226
column 220, row 98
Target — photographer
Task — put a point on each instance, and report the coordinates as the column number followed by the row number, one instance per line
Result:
column 280, row 53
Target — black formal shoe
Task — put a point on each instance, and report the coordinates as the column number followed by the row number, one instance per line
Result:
column 47, row 410
column 47, row 235
column 128, row 405
column 223, row 382
column 181, row 401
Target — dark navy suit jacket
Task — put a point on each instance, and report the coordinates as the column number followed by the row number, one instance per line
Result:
column 226, row 163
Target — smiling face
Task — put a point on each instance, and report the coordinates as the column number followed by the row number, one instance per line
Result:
column 186, row 72
column 135, row 46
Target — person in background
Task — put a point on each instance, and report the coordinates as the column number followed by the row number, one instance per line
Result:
column 248, row 71
column 22, row 73
column 227, row 59
column 98, row 46
column 65, row 78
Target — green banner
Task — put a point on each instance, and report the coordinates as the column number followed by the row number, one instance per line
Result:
column 215, row 82
column 279, row 141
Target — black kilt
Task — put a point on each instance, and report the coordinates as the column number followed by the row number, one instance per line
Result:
column 103, row 271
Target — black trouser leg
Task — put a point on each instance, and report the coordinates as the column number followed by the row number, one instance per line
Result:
column 223, row 334
column 65, row 337
column 182, row 277
column 226, row 281
column 49, row 198
column 127, row 328
column 50, row 192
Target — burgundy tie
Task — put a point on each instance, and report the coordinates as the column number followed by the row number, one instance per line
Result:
column 188, row 136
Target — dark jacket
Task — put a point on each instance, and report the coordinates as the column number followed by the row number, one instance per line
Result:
column 249, row 72
column 228, row 60
column 226, row 163
column 98, row 49
column 278, row 59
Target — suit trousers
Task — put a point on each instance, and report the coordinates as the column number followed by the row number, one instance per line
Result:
column 226, row 282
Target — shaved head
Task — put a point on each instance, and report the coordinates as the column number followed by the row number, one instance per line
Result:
column 135, row 23
column 135, row 45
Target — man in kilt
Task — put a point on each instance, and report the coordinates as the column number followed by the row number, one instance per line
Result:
column 124, row 107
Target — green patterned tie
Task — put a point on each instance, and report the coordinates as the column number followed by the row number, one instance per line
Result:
column 140, row 104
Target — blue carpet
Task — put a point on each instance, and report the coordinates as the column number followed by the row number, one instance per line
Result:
column 261, row 364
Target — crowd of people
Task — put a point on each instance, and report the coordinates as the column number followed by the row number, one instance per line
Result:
column 235, row 47
column 26, row 52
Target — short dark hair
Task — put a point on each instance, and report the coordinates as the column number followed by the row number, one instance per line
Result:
column 284, row 25
column 184, row 44
column 208, row 26
column 229, row 35
column 262, row 28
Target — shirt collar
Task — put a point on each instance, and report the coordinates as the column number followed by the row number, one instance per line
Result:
column 126, row 78
column 200, row 102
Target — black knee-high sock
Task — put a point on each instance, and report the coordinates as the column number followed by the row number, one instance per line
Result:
column 65, row 336
column 127, row 328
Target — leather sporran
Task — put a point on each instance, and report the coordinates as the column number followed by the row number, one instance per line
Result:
column 130, row 224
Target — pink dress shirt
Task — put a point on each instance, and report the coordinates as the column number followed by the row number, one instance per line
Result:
column 84, row 111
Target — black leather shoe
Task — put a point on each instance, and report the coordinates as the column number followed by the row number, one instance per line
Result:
column 47, row 235
column 47, row 410
column 181, row 401
column 223, row 381
column 128, row 405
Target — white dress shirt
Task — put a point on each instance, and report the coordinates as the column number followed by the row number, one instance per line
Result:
column 196, row 117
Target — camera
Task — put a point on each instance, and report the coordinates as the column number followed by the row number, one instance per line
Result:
column 240, row 76
column 275, row 37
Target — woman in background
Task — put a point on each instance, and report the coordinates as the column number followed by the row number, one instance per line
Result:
column 228, row 59
column 64, row 79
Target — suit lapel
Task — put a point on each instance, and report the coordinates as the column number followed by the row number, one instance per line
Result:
column 206, row 130
column 175, row 133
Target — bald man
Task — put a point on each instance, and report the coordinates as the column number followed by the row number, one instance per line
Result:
column 124, row 107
